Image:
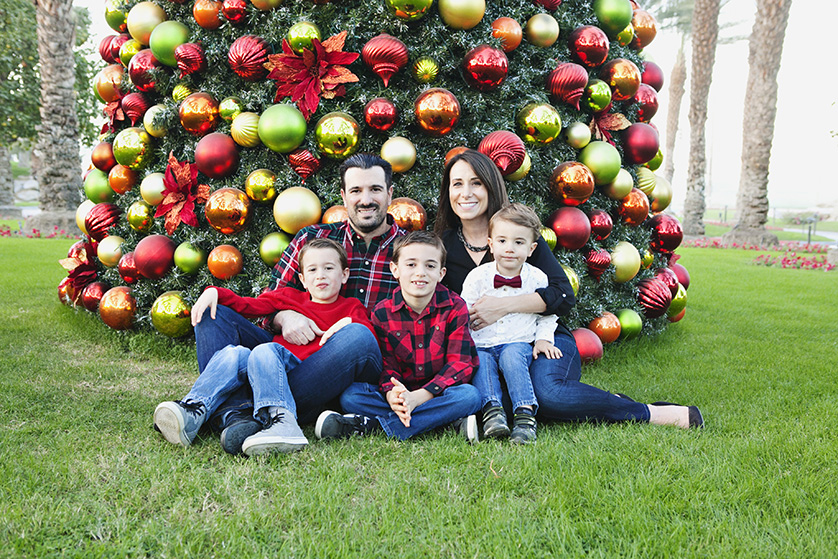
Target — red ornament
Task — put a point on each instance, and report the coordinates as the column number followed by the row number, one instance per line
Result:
column 155, row 256
column 678, row 316
column 668, row 277
column 102, row 157
column 505, row 149
column 190, row 59
column 135, row 105
column 247, row 57
column 128, row 268
column 589, row 45
column 385, row 55
column 100, row 218
column 567, row 83
column 640, row 143
column 654, row 296
column 485, row 67
column 180, row 194
column 548, row 4
column 572, row 227
column 634, row 208
column 303, row 162
column 597, row 262
column 647, row 102
column 606, row 327
column 216, row 155
column 92, row 294
column 682, row 273
column 77, row 251
column 652, row 75
column 601, row 224
column 666, row 234
column 572, row 183
column 588, row 344
column 234, row 10
column 380, row 114
column 139, row 70
column 109, row 47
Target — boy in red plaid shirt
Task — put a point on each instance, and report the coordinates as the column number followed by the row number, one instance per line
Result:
column 429, row 356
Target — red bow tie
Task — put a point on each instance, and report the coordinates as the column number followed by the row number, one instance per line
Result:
column 500, row 281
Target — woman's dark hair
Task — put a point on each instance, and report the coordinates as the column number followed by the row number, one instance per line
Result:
column 489, row 175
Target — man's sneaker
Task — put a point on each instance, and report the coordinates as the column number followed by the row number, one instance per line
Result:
column 523, row 429
column 467, row 428
column 281, row 435
column 332, row 425
column 237, row 431
column 179, row 421
column 494, row 423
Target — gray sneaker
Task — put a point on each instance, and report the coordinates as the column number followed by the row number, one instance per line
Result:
column 179, row 421
column 467, row 428
column 281, row 435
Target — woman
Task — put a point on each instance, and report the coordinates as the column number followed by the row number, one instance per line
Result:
column 472, row 191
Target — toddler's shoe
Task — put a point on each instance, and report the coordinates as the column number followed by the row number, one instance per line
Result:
column 282, row 434
column 494, row 423
column 179, row 421
column 332, row 425
column 523, row 428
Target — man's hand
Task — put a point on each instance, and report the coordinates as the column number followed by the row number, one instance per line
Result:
column 547, row 348
column 208, row 299
column 296, row 328
column 334, row 328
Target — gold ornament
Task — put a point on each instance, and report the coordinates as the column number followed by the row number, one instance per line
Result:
column 152, row 187
column 400, row 153
column 337, row 135
column 620, row 187
column 159, row 130
column 118, row 307
column 437, row 111
column 260, row 185
column 408, row 214
column 109, row 250
column 462, row 14
column 539, row 123
column 199, row 113
column 295, row 208
column 140, row 216
column 143, row 18
column 181, row 91
column 227, row 210
column 549, row 237
column 127, row 51
column 245, row 130
column 81, row 214
column 335, row 214
column 572, row 277
column 425, row 70
column 108, row 83
column 409, row 10
column 626, row 261
column 647, row 258
column 521, row 171
column 646, row 180
column 542, row 30
column 132, row 148
column 661, row 195
column 171, row 315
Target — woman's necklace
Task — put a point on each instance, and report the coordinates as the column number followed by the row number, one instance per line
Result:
column 471, row 248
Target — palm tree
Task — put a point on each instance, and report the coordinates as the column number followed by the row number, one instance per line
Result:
column 765, row 52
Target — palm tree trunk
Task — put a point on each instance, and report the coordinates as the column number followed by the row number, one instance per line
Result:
column 7, row 183
column 677, row 81
column 705, row 32
column 765, row 54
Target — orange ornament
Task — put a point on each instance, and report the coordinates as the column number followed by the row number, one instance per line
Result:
column 207, row 14
column 572, row 183
column 118, row 307
column 225, row 262
column 508, row 31
column 335, row 214
column 645, row 29
column 199, row 113
column 623, row 76
column 437, row 111
column 606, row 327
column 635, row 208
column 454, row 152
column 227, row 210
column 122, row 179
column 108, row 82
column 408, row 214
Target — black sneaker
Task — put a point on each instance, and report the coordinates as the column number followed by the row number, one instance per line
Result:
column 523, row 428
column 332, row 425
column 233, row 436
column 467, row 428
column 494, row 423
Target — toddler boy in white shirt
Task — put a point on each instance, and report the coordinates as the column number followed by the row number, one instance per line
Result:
column 509, row 345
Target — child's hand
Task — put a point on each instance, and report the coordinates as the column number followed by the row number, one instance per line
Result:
column 209, row 298
column 396, row 399
column 547, row 348
column 334, row 328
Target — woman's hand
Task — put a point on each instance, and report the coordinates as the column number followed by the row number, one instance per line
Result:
column 487, row 310
column 208, row 299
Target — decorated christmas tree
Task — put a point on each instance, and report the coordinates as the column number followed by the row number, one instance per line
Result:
column 226, row 122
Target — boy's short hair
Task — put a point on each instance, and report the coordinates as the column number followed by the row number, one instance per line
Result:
column 322, row 242
column 420, row 237
column 519, row 214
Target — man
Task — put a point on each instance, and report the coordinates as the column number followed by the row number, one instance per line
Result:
column 353, row 356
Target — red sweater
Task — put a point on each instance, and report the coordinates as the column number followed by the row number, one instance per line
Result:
column 288, row 298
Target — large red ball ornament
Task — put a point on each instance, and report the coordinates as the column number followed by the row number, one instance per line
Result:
column 135, row 105
column 647, row 102
column 216, row 155
column 654, row 296
column 589, row 45
column 199, row 113
column 622, row 76
column 385, row 55
column 304, row 163
column 247, row 57
column 190, row 59
column 100, row 219
column 128, row 268
column 485, row 67
column 155, row 256
column 572, row 227
column 227, row 210
column 601, row 224
column 634, row 208
column 588, row 344
column 225, row 262
column 668, row 277
column 102, row 156
column 682, row 273
column 234, row 10
column 640, row 143
column 567, row 82
column 92, row 295
column 437, row 111
column 652, row 74
column 380, row 114
column 667, row 233
column 597, row 262
column 118, row 307
column 508, row 31
column 606, row 327
column 571, row 183
column 408, row 214
column 139, row 70
column 505, row 149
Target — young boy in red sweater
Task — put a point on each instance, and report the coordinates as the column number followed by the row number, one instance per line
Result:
column 324, row 270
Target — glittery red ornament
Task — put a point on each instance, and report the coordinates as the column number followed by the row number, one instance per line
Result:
column 505, row 149
column 139, row 70
column 640, row 143
column 234, row 10
column 567, row 83
column 572, row 183
column 128, row 268
column 666, row 234
column 654, row 296
column 135, row 105
column 668, row 277
column 303, row 162
column 247, row 57
column 190, row 59
column 647, row 102
column 217, row 155
column 597, row 262
column 155, row 256
column 485, row 67
column 100, row 218
column 652, row 74
column 682, row 273
column 589, row 45
column 588, row 344
column 380, row 114
column 572, row 227
column 92, row 294
column 601, row 224
column 385, row 55
column 548, row 4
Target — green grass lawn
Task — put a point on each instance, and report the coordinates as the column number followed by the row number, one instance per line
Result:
column 84, row 474
column 712, row 230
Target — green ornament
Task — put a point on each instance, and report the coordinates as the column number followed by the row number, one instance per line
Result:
column 425, row 70
column 602, row 159
column 171, row 315
column 181, row 91
column 97, row 188
column 165, row 38
column 300, row 36
column 282, row 128
column 128, row 49
column 189, row 258
column 409, row 10
column 539, row 123
column 114, row 17
column 140, row 216
column 630, row 323
column 613, row 15
column 620, row 187
column 230, row 108
column 337, row 135
column 655, row 163
column 679, row 302
column 597, row 96
column 646, row 180
column 132, row 148
column 626, row 36
column 157, row 130
column 549, row 237
column 272, row 247
column 572, row 277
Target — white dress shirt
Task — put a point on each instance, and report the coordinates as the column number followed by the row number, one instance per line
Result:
column 514, row 327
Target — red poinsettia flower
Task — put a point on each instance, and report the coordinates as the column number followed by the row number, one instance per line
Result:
column 181, row 193
column 114, row 112
column 82, row 270
column 318, row 73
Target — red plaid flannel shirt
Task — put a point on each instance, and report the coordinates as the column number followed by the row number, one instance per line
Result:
column 432, row 350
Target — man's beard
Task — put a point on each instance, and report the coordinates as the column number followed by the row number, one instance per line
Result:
column 370, row 226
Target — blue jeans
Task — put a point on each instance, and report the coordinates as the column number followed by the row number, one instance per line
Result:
column 455, row 402
column 562, row 397
column 351, row 355
column 265, row 369
column 513, row 360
